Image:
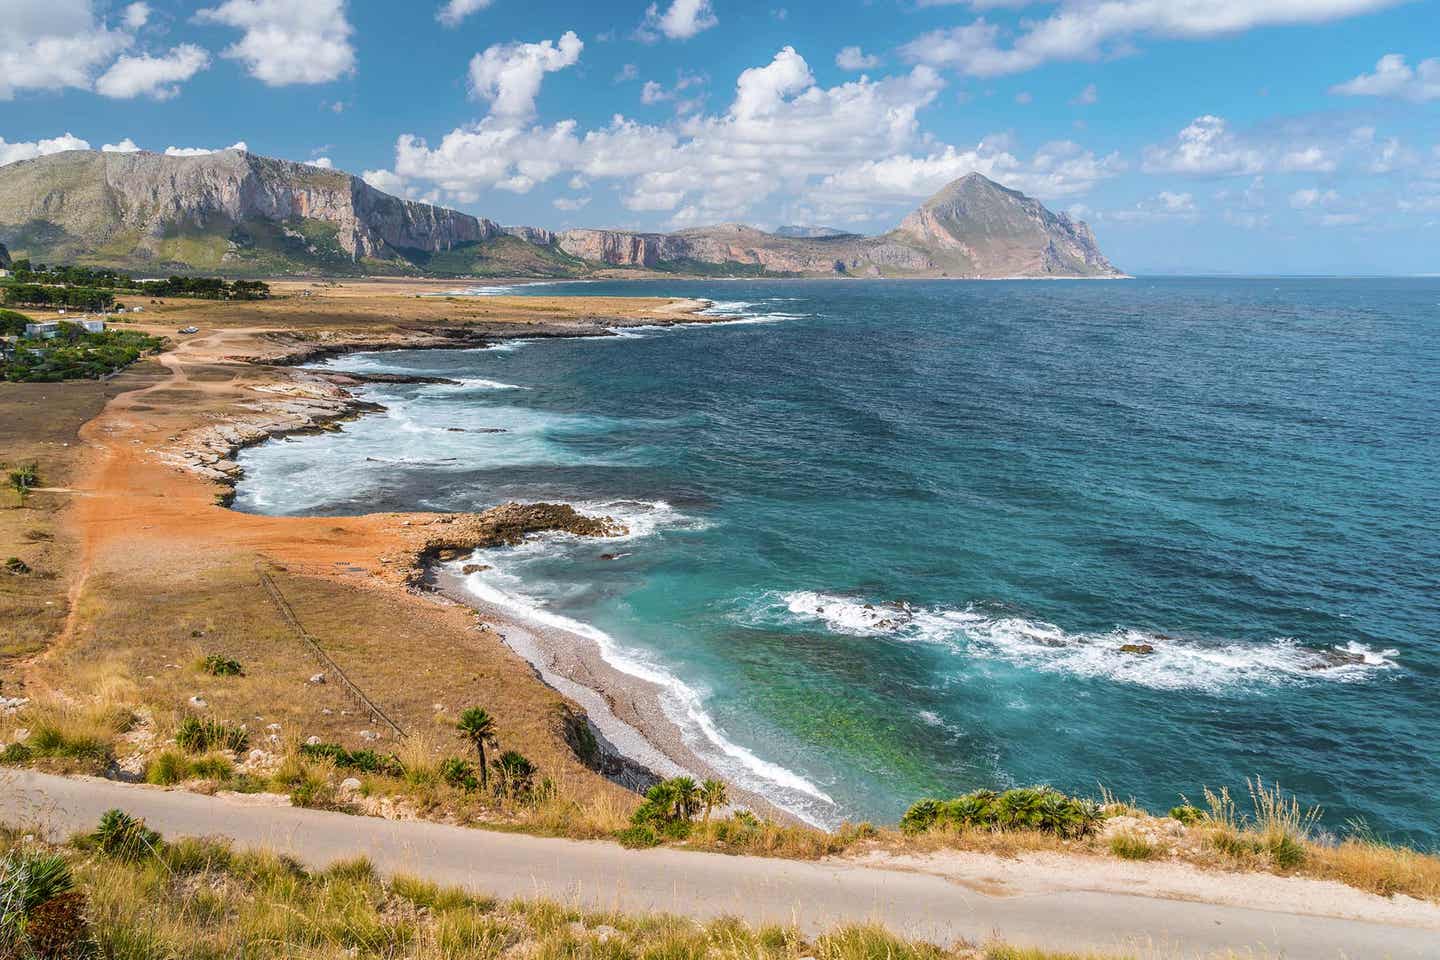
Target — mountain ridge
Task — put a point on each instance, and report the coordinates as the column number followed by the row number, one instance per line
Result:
column 241, row 213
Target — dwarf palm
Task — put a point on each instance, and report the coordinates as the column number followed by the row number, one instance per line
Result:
column 686, row 795
column 713, row 794
column 477, row 726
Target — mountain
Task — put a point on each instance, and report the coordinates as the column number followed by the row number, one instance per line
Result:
column 811, row 233
column 237, row 213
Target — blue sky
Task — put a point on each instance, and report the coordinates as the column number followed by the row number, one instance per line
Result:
column 1249, row 136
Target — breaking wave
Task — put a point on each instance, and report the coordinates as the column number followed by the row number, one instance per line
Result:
column 1158, row 660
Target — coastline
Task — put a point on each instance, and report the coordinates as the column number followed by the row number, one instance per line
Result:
column 639, row 742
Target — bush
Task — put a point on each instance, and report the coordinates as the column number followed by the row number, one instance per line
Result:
column 459, row 773
column 17, row 566
column 313, row 792
column 16, row 753
column 1025, row 808
column 168, row 767
column 123, row 837
column 365, row 761
column 197, row 735
column 515, row 773
column 1187, row 814
column 41, row 913
column 218, row 666
column 1130, row 846
column 638, row 836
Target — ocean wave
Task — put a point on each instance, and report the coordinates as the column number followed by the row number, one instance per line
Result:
column 481, row 383
column 643, row 518
column 1124, row 655
column 683, row 704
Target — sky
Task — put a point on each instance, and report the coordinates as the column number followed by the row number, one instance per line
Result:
column 1194, row 136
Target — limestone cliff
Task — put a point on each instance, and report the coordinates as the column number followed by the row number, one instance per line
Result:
column 238, row 213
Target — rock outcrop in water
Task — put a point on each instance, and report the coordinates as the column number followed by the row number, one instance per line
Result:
column 238, row 213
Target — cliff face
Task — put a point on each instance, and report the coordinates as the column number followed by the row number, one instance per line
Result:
column 150, row 207
column 4, row 257
column 236, row 212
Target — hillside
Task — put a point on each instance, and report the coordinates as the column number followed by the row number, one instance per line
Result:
column 237, row 213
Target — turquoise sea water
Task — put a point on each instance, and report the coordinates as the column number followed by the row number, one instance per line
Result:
column 889, row 537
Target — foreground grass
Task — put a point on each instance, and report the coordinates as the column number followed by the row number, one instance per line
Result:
column 1269, row 832
column 201, row 898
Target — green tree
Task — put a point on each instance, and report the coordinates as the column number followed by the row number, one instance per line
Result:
column 713, row 794
column 478, row 727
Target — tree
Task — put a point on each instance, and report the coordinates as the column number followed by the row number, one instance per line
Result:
column 713, row 794
column 477, row 726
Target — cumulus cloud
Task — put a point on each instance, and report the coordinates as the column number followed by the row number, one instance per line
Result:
column 849, row 151
column 285, row 42
column 1205, row 147
column 136, row 16
column 1312, row 197
column 1395, row 78
column 682, row 20
column 203, row 151
column 457, row 10
column 384, row 181
column 1089, row 29
column 155, row 77
column 508, row 75
column 29, row 150
column 54, row 44
column 124, row 146
column 853, row 58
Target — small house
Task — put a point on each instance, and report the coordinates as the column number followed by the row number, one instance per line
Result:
column 42, row 331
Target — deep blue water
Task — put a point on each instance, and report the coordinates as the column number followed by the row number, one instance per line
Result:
column 1242, row 474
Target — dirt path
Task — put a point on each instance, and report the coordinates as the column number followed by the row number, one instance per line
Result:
column 816, row 896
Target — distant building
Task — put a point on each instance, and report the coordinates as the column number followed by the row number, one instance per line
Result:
column 50, row 328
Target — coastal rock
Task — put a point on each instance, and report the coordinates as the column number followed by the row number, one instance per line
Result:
column 1138, row 649
column 470, row 568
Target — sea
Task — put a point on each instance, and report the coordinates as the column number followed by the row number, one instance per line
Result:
column 897, row 539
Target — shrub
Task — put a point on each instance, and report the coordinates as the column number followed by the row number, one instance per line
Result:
column 218, row 666
column 17, row 566
column 459, row 773
column 638, row 836
column 215, row 766
column 28, row 879
column 515, row 773
column 168, row 767
column 123, row 837
column 1187, row 814
column 16, row 753
column 1131, row 846
column 313, row 792
column 1025, row 808
column 365, row 761
column 197, row 735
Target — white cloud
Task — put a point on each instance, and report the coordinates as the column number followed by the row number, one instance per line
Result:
column 155, row 77
column 124, row 146
column 682, row 20
column 324, row 163
column 136, row 16
column 1089, row 29
column 1313, row 197
column 570, row 203
column 1087, row 96
column 53, row 44
column 384, row 181
column 1206, row 147
column 203, row 151
column 654, row 92
column 286, row 42
column 853, row 58
column 1393, row 77
column 1165, row 205
column 509, row 74
column 457, row 10
column 15, row 152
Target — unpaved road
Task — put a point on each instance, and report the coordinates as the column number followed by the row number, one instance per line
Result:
column 816, row 896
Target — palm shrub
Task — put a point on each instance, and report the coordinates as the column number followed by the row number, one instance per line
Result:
column 516, row 773
column 124, row 837
column 218, row 666
column 1043, row 809
column 459, row 773
column 713, row 794
column 478, row 727
column 197, row 735
column 27, row 880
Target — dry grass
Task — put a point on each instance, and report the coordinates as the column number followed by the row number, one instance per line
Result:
column 202, row 898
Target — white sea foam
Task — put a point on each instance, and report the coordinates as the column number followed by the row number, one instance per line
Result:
column 1171, row 663
column 481, row 383
column 682, row 703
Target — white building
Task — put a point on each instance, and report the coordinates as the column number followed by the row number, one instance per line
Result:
column 50, row 328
